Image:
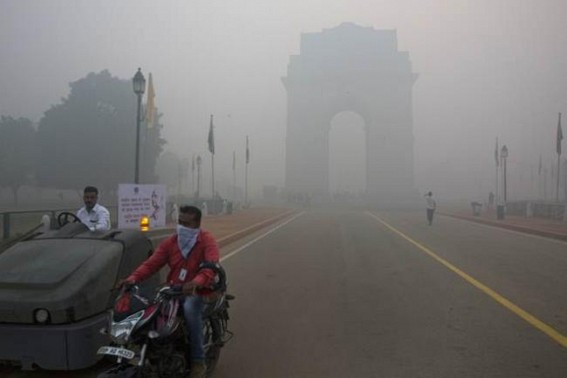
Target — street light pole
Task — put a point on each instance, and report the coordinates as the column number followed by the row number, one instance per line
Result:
column 179, row 179
column 193, row 175
column 246, row 172
column 139, row 83
column 198, row 175
column 504, row 154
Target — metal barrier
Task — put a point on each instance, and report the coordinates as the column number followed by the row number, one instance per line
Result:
column 22, row 221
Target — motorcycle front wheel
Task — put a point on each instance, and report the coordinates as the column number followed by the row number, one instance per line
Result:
column 212, row 332
column 122, row 371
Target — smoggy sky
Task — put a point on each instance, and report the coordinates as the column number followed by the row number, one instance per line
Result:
column 486, row 68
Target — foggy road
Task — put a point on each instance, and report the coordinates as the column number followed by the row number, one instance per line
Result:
column 369, row 294
column 341, row 294
column 332, row 107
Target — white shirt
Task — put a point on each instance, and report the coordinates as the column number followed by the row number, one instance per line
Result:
column 431, row 203
column 96, row 219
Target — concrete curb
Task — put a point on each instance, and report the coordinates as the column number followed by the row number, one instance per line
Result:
column 513, row 227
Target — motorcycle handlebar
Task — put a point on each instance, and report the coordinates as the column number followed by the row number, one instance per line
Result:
column 172, row 291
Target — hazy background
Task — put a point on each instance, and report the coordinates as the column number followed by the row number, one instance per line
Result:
column 486, row 68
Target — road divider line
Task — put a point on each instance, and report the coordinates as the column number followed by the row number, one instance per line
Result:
column 529, row 318
column 240, row 249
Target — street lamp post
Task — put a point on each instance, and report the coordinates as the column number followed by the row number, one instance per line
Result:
column 504, row 156
column 139, row 83
column 501, row 200
column 199, row 161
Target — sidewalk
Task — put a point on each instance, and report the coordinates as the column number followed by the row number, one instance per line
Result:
column 536, row 226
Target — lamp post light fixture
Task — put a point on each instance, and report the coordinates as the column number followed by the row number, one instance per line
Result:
column 504, row 156
column 139, row 83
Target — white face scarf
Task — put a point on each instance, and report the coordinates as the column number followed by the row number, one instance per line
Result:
column 186, row 239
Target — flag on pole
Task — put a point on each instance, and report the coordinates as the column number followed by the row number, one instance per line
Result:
column 496, row 152
column 247, row 151
column 234, row 160
column 559, row 135
column 211, row 139
column 150, row 104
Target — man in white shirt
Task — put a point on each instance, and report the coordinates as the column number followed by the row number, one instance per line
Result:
column 93, row 215
column 431, row 205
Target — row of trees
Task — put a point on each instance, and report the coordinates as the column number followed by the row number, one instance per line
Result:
column 89, row 138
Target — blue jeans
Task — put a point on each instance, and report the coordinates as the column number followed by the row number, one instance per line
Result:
column 193, row 311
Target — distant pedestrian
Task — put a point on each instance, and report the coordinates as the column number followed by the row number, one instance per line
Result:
column 431, row 206
column 490, row 200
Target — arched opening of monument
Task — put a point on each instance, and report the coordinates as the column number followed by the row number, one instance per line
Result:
column 360, row 69
column 347, row 156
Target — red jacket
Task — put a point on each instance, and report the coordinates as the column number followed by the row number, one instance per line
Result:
column 168, row 252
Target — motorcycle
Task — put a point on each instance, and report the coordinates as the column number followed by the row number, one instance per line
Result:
column 149, row 337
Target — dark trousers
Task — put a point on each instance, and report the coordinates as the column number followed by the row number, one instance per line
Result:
column 430, row 215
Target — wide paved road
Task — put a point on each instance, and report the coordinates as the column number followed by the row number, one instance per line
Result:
column 355, row 294
column 358, row 294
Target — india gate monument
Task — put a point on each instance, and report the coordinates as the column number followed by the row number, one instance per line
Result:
column 357, row 69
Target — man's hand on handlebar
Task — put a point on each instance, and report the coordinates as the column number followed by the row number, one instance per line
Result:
column 124, row 283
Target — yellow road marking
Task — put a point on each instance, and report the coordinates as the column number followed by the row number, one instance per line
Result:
column 532, row 320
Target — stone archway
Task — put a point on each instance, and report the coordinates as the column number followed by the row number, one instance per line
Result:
column 358, row 69
column 347, row 155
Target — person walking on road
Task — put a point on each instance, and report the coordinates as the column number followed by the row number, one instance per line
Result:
column 431, row 206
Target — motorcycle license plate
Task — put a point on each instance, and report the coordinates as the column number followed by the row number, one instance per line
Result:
column 118, row 352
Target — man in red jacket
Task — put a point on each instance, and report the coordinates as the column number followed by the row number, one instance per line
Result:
column 183, row 252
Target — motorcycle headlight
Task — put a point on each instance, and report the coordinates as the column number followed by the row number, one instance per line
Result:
column 120, row 331
column 41, row 315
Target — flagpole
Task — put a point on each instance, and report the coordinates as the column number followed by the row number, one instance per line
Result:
column 539, row 183
column 557, row 187
column 545, row 184
column 193, row 176
column 179, row 173
column 234, row 176
column 533, row 188
column 198, row 193
column 211, row 142
column 564, row 184
column 246, row 173
column 497, row 193
column 496, row 178
column 559, row 138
